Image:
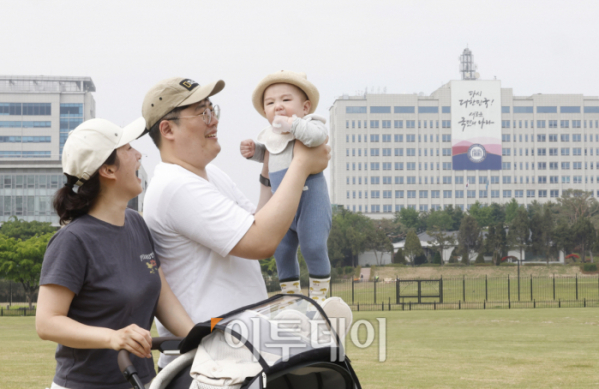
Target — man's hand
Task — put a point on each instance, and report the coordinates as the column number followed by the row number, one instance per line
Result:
column 313, row 159
column 247, row 148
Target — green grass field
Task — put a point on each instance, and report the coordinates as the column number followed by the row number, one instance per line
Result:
column 542, row 348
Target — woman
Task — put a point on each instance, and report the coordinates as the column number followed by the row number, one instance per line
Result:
column 101, row 283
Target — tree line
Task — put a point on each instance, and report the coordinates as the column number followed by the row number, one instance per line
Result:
column 570, row 224
column 22, row 248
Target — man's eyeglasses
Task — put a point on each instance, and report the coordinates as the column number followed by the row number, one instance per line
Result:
column 206, row 115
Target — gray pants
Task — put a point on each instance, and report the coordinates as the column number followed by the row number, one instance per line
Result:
column 310, row 230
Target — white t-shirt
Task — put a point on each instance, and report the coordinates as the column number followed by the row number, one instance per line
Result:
column 195, row 224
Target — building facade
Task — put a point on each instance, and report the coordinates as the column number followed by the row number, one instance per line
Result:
column 36, row 115
column 392, row 151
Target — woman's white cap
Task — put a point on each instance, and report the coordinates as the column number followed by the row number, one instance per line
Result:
column 91, row 143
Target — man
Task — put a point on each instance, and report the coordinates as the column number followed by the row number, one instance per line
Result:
column 204, row 228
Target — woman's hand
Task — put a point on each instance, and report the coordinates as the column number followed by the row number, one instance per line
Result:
column 313, row 159
column 134, row 339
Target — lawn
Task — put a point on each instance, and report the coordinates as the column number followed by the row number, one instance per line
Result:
column 542, row 348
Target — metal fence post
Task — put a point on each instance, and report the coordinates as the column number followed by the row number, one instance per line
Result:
column 441, row 290
column 486, row 289
column 531, row 288
column 464, row 288
column 554, row 287
column 396, row 290
column 508, row 288
column 419, row 291
column 352, row 290
column 375, row 290
column 576, row 286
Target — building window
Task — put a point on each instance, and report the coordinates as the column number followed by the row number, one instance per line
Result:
column 410, row 124
column 355, row 110
column 575, row 123
column 552, row 123
column 411, row 152
column 411, row 194
column 398, row 123
column 387, row 194
column 373, row 166
column 387, row 165
column 411, row 180
column 569, row 109
column 398, row 165
column 564, row 123
column 505, row 124
column 428, row 110
column 447, row 109
column 506, row 166
column 540, row 123
column 506, row 151
column 546, row 109
column 399, row 180
column 471, row 194
column 398, row 138
column 435, row 194
column 423, row 194
column 399, row 152
column 482, row 194
column 404, row 109
column 446, row 138
column 554, row 193
column 399, row 194
column 446, row 165
column 386, row 152
column 410, row 138
column 523, row 110
column 380, row 109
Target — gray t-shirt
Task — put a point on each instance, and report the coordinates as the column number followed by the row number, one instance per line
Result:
column 113, row 272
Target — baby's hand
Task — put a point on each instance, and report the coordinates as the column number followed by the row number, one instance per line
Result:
column 247, row 148
column 282, row 124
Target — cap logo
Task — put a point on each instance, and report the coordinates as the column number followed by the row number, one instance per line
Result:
column 188, row 84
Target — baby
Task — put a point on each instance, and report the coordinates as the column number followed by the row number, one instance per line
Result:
column 287, row 100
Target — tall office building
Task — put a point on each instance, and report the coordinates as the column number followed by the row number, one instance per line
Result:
column 470, row 140
column 36, row 115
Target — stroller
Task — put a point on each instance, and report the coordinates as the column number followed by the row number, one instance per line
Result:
column 284, row 342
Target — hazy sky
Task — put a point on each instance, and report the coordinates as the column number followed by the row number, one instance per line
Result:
column 343, row 46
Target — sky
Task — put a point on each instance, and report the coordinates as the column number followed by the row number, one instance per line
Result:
column 343, row 47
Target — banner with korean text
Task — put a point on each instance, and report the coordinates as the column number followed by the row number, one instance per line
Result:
column 476, row 125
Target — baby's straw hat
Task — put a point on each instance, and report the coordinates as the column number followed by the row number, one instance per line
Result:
column 285, row 77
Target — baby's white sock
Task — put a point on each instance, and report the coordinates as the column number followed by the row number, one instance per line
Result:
column 319, row 287
column 291, row 287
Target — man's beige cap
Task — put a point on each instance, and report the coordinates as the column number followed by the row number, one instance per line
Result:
column 91, row 143
column 285, row 77
column 175, row 92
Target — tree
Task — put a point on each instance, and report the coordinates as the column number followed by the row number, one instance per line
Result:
column 584, row 234
column 348, row 236
column 577, row 204
column 541, row 227
column 412, row 247
column 480, row 258
column 399, row 257
column 379, row 243
column 441, row 241
column 519, row 232
column 20, row 229
column 563, row 238
column 497, row 213
column 482, row 214
column 439, row 220
column 21, row 261
column 409, row 218
column 510, row 210
column 469, row 237
column 496, row 242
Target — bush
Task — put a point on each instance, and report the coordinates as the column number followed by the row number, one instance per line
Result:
column 508, row 264
column 397, row 265
column 399, row 257
column 455, row 264
column 419, row 260
column 534, row 264
column 484, row 264
column 480, row 258
column 437, row 258
column 430, row 265
column 589, row 267
column 453, row 260
column 465, row 259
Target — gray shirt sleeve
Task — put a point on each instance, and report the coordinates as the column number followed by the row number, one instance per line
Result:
column 258, row 153
column 309, row 130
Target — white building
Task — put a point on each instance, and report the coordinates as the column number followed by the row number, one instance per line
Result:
column 36, row 115
column 395, row 150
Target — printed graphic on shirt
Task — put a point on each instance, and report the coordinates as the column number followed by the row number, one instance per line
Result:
column 150, row 262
